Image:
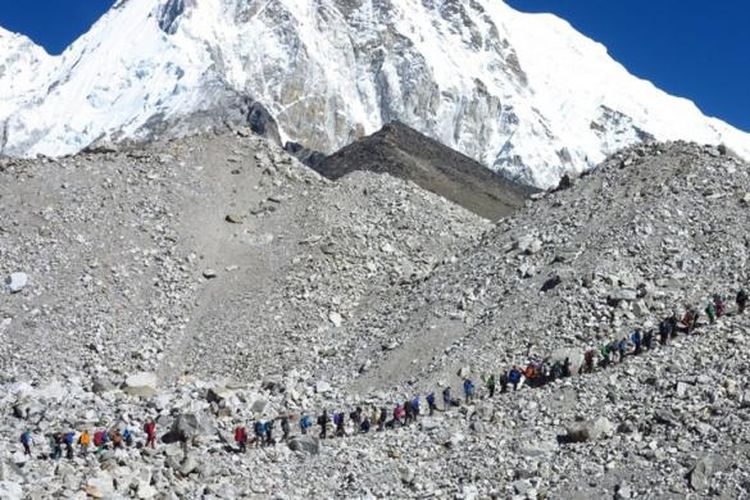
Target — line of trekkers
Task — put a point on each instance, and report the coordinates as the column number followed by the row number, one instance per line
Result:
column 535, row 374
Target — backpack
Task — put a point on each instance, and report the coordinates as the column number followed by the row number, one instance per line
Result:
column 69, row 438
column 305, row 422
column 26, row 438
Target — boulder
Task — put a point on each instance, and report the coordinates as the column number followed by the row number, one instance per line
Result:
column 10, row 491
column 17, row 282
column 321, row 387
column 529, row 245
column 141, row 384
column 189, row 426
column 621, row 295
column 701, row 473
column 305, row 444
column 590, row 430
column 335, row 318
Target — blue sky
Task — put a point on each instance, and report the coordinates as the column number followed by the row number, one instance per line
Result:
column 693, row 48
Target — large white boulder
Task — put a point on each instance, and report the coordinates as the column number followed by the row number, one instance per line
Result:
column 141, row 384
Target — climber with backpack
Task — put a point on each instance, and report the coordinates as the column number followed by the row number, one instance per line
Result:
column 84, row 441
column 305, row 423
column 338, row 423
column 57, row 443
column 26, row 442
column 468, row 390
column 364, row 426
column 431, row 403
column 70, row 439
column 150, row 429
column 259, row 432
column 637, row 339
column 514, row 377
column 741, row 300
column 415, row 407
column 711, row 312
column 447, row 400
column 100, row 440
column 240, row 437
column 285, row 427
column 719, row 305
column 382, row 419
column 489, row 382
column 665, row 332
column 323, row 423
column 648, row 338
column 268, row 429
column 127, row 436
column 588, row 360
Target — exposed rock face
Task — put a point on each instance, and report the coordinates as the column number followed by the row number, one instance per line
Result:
column 478, row 76
column 405, row 153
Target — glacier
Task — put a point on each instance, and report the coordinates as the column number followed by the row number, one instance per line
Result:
column 524, row 94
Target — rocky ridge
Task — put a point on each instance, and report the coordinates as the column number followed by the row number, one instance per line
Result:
column 304, row 322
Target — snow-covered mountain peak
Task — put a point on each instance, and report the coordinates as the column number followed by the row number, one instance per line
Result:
column 519, row 92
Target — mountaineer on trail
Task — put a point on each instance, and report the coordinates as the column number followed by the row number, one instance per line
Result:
column 489, row 382
column 26, row 441
column 741, row 300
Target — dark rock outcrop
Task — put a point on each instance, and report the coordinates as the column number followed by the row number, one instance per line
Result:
column 405, row 153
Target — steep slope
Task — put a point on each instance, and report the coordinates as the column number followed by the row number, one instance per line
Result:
column 653, row 229
column 405, row 153
column 523, row 93
column 201, row 249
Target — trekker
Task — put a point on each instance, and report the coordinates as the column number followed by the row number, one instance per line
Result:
column 514, row 377
column 431, row 403
column 240, row 437
column 556, row 371
column 323, row 423
column 604, row 352
column 711, row 312
column 259, row 431
column 364, row 427
column 648, row 338
column 447, row 400
column 489, row 382
column 70, row 439
column 399, row 415
column 100, row 440
column 127, row 436
column 57, row 442
column 269, row 432
column 636, row 338
column 26, row 442
column 285, row 427
column 305, row 423
column 672, row 325
column 338, row 423
column 741, row 300
column 356, row 416
column 382, row 419
column 415, row 406
column 468, row 390
column 530, row 374
column 150, row 429
column 504, row 382
column 116, row 440
column 588, row 360
column 719, row 305
column 622, row 348
column 84, row 441
column 665, row 332
column 566, row 371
